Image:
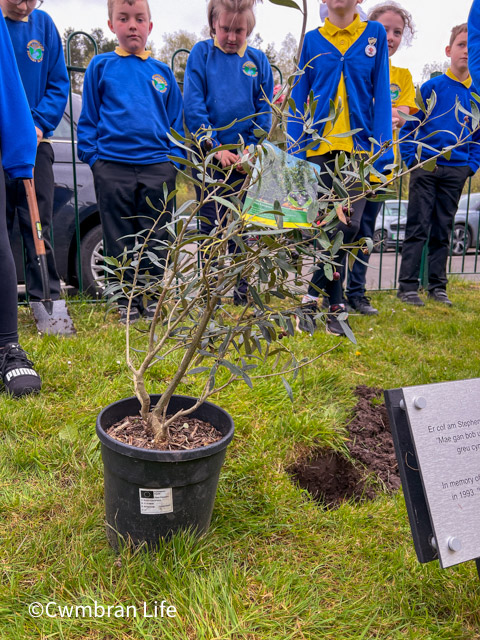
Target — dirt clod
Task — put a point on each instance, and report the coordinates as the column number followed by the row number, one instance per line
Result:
column 331, row 478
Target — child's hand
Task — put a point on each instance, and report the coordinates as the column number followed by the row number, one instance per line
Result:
column 226, row 158
column 397, row 120
column 245, row 157
column 39, row 133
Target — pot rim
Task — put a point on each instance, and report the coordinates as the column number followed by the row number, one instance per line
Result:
column 162, row 455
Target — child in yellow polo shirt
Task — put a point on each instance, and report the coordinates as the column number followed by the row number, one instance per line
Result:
column 399, row 27
column 345, row 61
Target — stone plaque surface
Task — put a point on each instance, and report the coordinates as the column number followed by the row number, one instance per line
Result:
column 444, row 420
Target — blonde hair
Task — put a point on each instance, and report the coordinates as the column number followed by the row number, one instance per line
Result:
column 112, row 3
column 409, row 26
column 215, row 7
column 456, row 31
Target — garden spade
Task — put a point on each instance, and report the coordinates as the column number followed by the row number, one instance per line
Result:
column 51, row 316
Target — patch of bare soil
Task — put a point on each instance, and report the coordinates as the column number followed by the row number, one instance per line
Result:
column 370, row 439
column 331, row 478
column 184, row 433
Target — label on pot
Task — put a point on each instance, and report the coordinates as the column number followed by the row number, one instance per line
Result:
column 155, row 501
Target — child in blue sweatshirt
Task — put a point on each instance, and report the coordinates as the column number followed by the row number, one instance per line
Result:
column 434, row 195
column 345, row 61
column 18, row 146
column 227, row 80
column 130, row 102
column 40, row 60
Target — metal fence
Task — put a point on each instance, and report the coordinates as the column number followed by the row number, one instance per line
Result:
column 463, row 258
column 382, row 274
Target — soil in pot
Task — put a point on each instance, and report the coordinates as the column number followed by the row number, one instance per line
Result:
column 332, row 479
column 184, row 433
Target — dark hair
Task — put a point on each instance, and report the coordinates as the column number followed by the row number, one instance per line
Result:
column 111, row 4
column 215, row 7
column 456, row 31
column 409, row 26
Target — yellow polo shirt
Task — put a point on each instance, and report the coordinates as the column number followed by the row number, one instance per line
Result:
column 402, row 92
column 467, row 83
column 342, row 39
column 240, row 52
column 402, row 89
column 143, row 55
column 4, row 14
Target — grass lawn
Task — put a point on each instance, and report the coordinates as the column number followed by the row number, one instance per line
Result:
column 274, row 565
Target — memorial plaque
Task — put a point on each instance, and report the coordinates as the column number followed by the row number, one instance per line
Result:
column 444, row 420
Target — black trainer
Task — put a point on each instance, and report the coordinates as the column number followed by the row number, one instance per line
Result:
column 337, row 321
column 306, row 317
column 363, row 305
column 149, row 311
column 240, row 297
column 18, row 374
column 410, row 297
column 123, row 315
column 440, row 295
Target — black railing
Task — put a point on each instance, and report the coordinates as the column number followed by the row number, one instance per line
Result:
column 384, row 263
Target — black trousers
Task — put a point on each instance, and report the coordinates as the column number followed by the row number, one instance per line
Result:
column 213, row 213
column 8, row 279
column 357, row 275
column 17, row 205
column 122, row 191
column 333, row 288
column 432, row 202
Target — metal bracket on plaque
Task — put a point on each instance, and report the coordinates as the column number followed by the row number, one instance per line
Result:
column 436, row 434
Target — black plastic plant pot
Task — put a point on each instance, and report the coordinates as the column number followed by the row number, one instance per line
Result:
column 150, row 494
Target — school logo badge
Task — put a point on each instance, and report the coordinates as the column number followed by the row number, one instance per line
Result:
column 159, row 83
column 394, row 92
column 250, row 69
column 35, row 50
column 371, row 49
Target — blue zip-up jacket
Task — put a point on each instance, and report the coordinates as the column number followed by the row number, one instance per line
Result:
column 442, row 128
column 18, row 140
column 474, row 42
column 367, row 83
column 39, row 53
column 129, row 105
column 222, row 87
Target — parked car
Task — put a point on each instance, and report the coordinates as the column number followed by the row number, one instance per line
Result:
column 465, row 230
column 465, row 226
column 64, row 227
column 392, row 214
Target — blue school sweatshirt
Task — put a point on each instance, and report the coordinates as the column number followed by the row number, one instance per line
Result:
column 474, row 42
column 18, row 140
column 222, row 87
column 128, row 106
column 442, row 127
column 366, row 73
column 41, row 62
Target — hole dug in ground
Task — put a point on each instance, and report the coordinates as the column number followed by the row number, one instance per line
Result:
column 331, row 478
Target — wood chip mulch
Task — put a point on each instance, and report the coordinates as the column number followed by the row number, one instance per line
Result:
column 184, row 433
